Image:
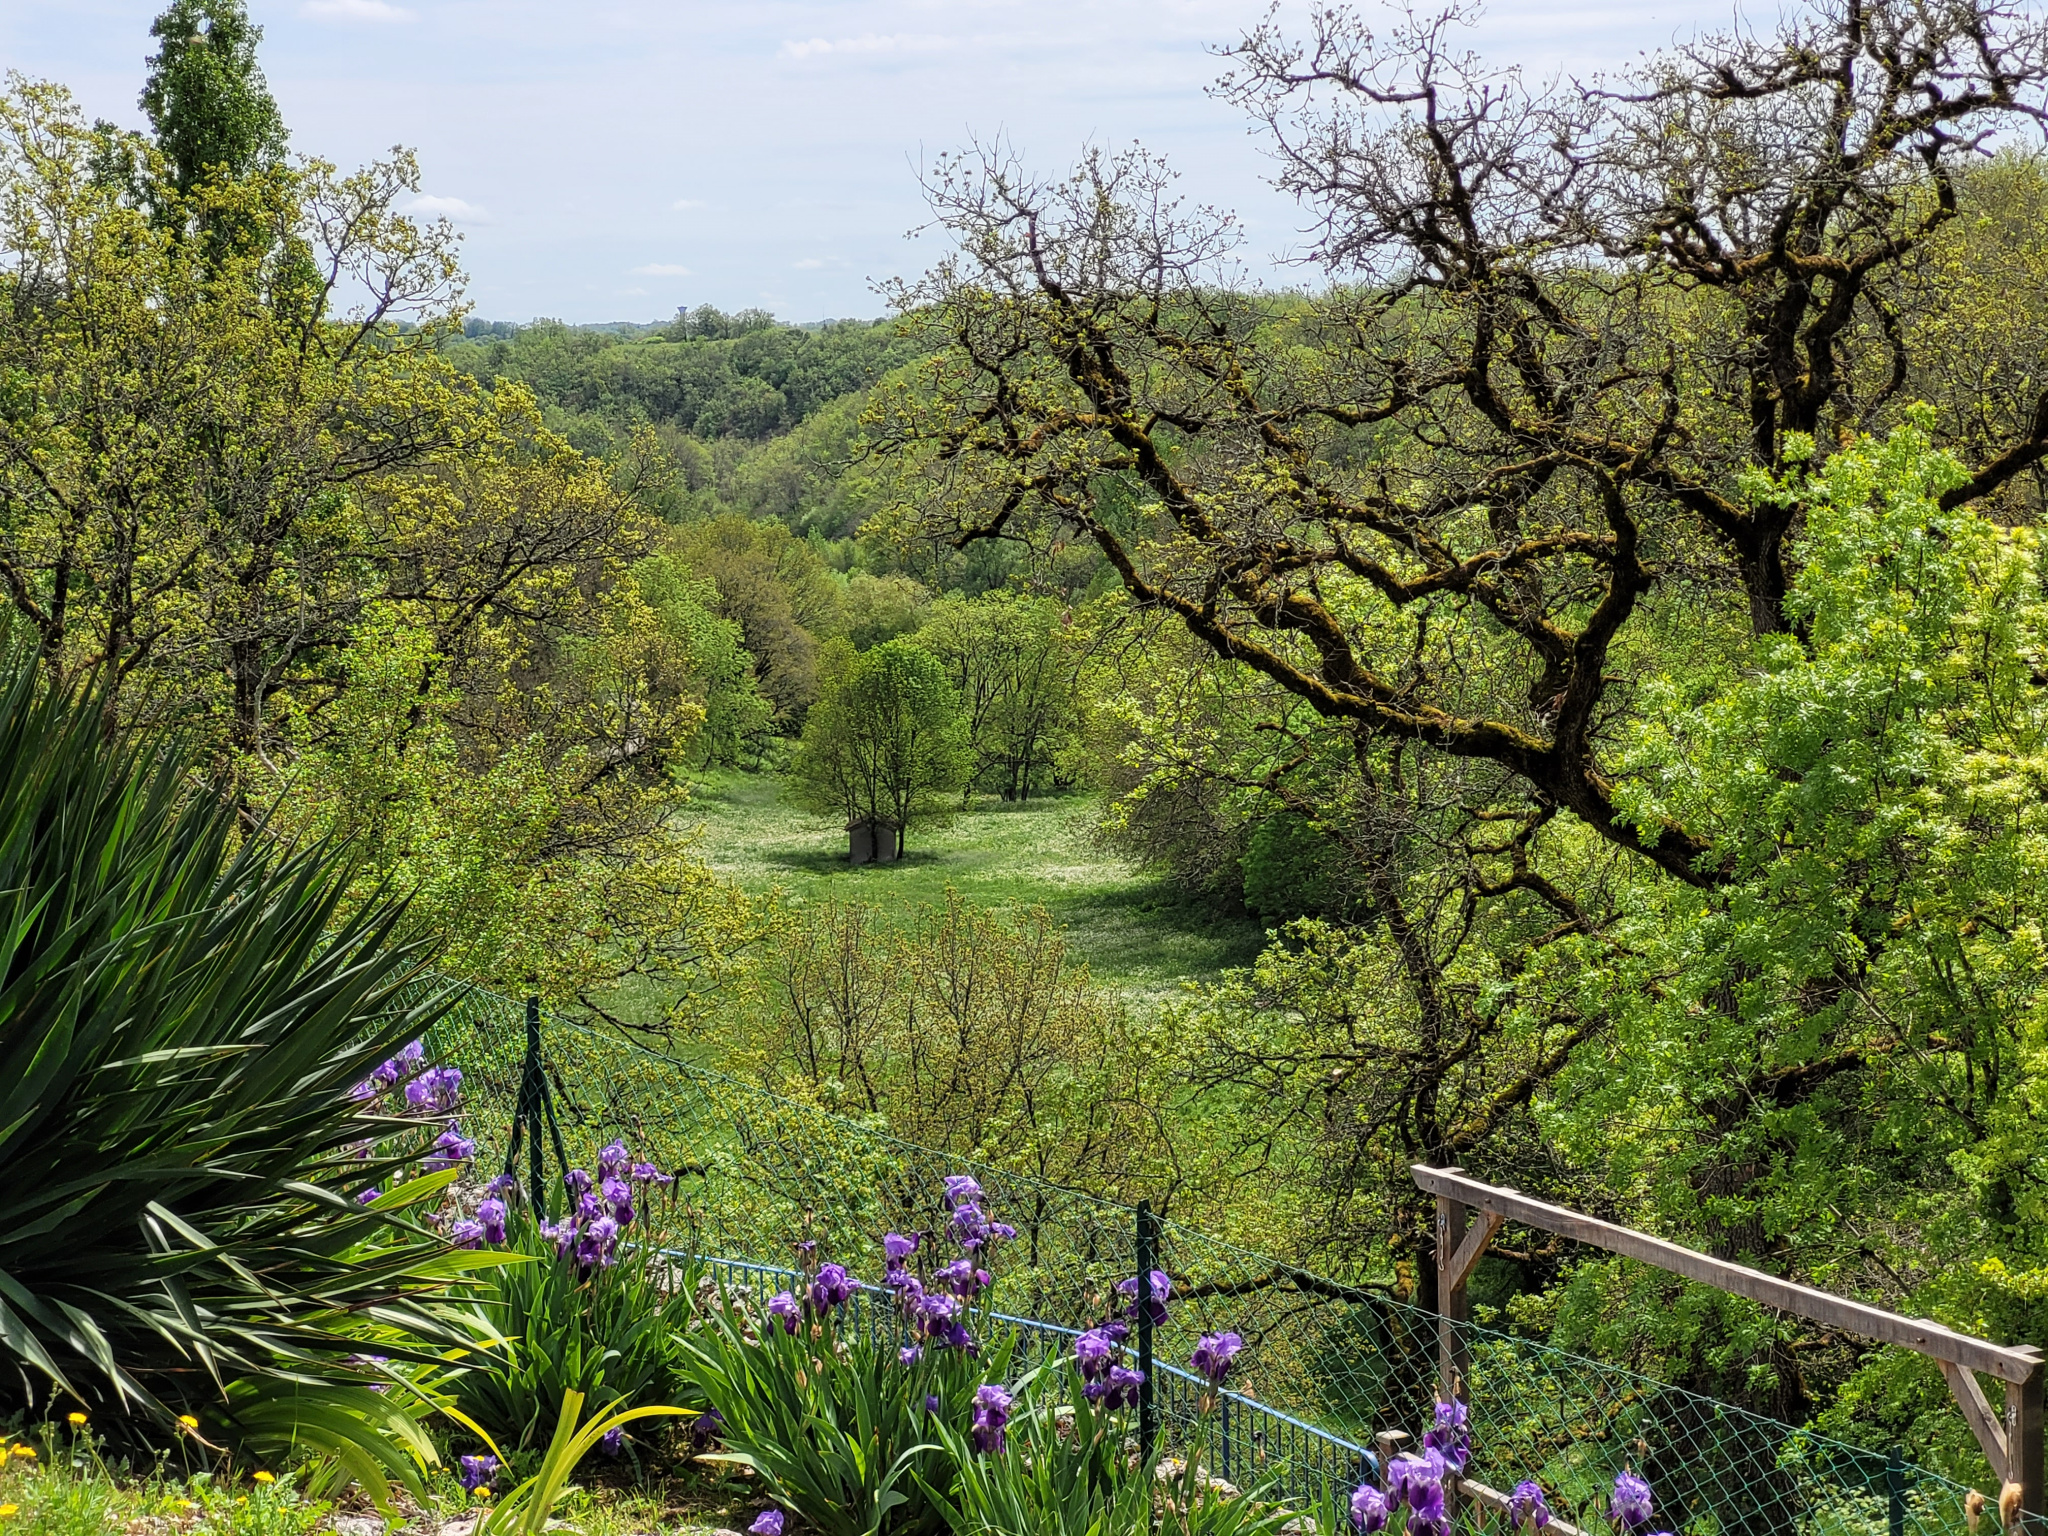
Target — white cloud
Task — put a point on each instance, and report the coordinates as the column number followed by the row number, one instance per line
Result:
column 684, row 204
column 353, row 10
column 453, row 209
column 866, row 43
column 661, row 269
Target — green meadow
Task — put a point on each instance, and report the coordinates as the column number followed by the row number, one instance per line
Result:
column 1135, row 931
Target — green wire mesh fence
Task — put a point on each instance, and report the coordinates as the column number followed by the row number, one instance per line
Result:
column 1327, row 1365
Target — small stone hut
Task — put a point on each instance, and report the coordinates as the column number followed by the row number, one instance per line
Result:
column 873, row 840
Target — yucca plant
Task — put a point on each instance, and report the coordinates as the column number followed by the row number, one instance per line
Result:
column 184, row 1006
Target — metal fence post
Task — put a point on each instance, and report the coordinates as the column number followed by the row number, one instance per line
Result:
column 1148, row 1418
column 534, row 1108
column 1895, row 1492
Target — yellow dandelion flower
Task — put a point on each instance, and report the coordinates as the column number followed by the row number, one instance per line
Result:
column 263, row 1477
column 27, row 1452
column 188, row 1421
column 242, row 1500
column 9, row 1511
column 75, row 1418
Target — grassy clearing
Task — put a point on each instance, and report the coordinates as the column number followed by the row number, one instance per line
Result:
column 1135, row 932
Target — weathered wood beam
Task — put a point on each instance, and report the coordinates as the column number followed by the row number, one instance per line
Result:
column 2008, row 1362
column 2014, row 1447
column 1969, row 1396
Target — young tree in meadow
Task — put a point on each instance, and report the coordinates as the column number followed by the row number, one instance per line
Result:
column 1015, row 665
column 884, row 742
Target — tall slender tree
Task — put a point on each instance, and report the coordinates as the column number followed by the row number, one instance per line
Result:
column 206, row 98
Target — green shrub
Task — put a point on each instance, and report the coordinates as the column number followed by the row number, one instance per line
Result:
column 1064, row 1470
column 606, row 1332
column 183, row 1011
column 1066, row 1467
column 832, row 1418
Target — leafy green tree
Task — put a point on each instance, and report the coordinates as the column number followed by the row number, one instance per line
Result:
column 780, row 593
column 884, row 741
column 206, row 98
column 718, row 667
column 1015, row 663
column 364, row 582
column 873, row 609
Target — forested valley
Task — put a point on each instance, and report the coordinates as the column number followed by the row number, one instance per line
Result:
column 1581, row 655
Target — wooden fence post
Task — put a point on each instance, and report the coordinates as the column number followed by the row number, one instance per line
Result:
column 1453, row 1308
column 2023, row 1441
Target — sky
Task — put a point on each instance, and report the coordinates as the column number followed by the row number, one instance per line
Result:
column 617, row 159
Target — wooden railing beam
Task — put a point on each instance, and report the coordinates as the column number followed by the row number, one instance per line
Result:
column 2013, row 1447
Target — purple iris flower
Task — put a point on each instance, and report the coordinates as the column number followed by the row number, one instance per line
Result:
column 503, row 1187
column 832, row 1288
column 1213, row 1354
column 1451, row 1435
column 588, row 1207
column 451, row 1148
column 466, row 1234
column 620, row 1195
column 647, row 1173
column 413, row 1053
column 1093, row 1352
column 991, row 1414
column 766, row 1523
column 478, row 1472
column 963, row 1279
column 806, row 1250
column 969, row 1227
column 612, row 1443
column 1368, row 1509
column 490, row 1216
column 597, row 1242
column 1526, row 1506
column 1631, row 1507
column 931, row 1402
column 938, row 1319
column 1410, row 1476
column 1161, row 1288
column 1426, row 1511
column 577, row 1182
column 704, row 1429
column 782, row 1305
column 910, row 1354
column 960, row 1189
column 435, row 1088
column 562, row 1235
column 613, row 1161
column 364, row 1090
column 368, row 1195
column 896, row 1247
column 1121, row 1390
column 1000, row 1231
column 387, row 1073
